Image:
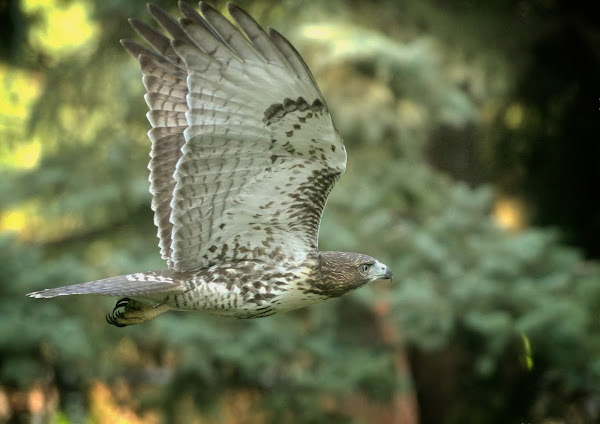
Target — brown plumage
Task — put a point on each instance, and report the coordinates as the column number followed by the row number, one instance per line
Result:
column 243, row 157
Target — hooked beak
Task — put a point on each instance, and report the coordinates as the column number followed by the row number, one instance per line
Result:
column 386, row 272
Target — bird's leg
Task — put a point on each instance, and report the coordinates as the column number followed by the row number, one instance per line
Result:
column 130, row 312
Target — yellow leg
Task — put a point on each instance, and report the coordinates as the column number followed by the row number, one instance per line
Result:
column 130, row 312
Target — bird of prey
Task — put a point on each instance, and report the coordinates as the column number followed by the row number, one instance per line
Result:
column 244, row 154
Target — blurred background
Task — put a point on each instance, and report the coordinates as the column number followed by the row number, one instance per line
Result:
column 474, row 164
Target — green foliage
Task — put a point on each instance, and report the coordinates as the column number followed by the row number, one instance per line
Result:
column 467, row 295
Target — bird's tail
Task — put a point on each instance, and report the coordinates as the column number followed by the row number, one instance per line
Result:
column 138, row 284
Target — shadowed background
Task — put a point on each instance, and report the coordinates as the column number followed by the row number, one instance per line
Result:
column 473, row 171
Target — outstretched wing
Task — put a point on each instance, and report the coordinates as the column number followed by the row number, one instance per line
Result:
column 244, row 152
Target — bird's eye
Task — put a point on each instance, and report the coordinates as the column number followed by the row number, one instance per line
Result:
column 365, row 267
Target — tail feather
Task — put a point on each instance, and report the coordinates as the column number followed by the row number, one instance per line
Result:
column 124, row 285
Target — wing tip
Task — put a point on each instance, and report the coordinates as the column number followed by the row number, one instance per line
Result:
column 151, row 6
column 232, row 8
column 184, row 5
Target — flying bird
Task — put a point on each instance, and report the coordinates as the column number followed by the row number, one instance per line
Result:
column 244, row 155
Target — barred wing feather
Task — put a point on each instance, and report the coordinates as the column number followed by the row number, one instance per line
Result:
column 244, row 152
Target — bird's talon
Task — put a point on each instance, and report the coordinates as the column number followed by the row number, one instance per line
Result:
column 122, row 302
column 127, row 312
column 112, row 319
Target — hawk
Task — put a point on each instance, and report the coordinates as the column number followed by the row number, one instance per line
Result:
column 244, row 154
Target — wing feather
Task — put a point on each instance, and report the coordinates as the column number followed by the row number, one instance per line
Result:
column 244, row 152
column 256, row 35
column 198, row 20
column 158, row 101
column 206, row 41
column 164, row 70
column 293, row 58
column 167, row 22
column 229, row 34
column 163, row 86
column 136, row 50
column 159, row 42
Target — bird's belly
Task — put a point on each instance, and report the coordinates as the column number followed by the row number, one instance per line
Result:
column 249, row 300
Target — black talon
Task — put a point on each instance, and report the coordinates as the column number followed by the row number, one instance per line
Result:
column 112, row 318
column 122, row 302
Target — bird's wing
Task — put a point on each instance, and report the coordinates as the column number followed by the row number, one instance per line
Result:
column 244, row 152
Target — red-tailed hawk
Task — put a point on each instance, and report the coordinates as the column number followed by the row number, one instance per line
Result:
column 244, row 155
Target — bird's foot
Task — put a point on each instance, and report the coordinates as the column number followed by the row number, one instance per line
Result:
column 130, row 312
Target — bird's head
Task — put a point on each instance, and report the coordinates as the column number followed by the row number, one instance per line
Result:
column 342, row 272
